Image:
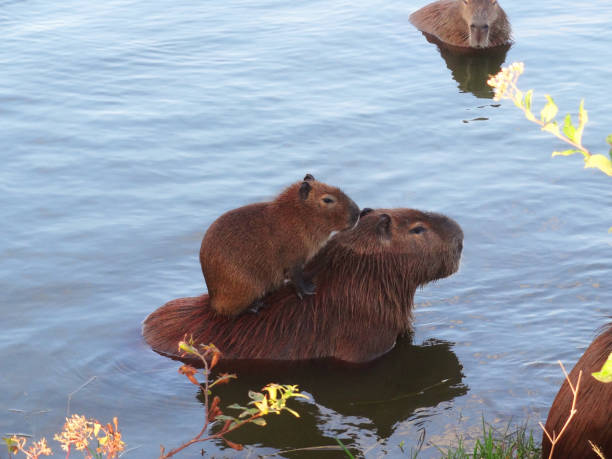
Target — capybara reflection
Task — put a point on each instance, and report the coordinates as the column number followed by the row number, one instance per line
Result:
column 593, row 420
column 465, row 23
column 366, row 280
column 249, row 251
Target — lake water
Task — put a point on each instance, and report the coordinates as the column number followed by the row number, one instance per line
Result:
column 127, row 127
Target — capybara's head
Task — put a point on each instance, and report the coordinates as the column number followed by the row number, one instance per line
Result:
column 326, row 206
column 479, row 16
column 424, row 246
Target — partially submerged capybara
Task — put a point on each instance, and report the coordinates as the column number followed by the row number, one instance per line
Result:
column 366, row 280
column 249, row 251
column 465, row 23
column 593, row 419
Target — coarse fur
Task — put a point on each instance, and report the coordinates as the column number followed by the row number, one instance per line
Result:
column 366, row 280
column 250, row 251
column 593, row 420
column 464, row 23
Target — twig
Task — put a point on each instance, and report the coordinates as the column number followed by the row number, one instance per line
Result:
column 75, row 391
column 555, row 438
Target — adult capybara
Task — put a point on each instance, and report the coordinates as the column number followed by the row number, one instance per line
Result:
column 249, row 251
column 593, row 419
column 366, row 279
column 465, row 23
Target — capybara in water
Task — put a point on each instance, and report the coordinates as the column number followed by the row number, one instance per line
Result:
column 250, row 251
column 465, row 23
column 593, row 420
column 366, row 280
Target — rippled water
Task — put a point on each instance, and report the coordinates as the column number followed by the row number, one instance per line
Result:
column 127, row 127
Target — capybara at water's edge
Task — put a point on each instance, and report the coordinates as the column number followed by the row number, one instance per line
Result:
column 465, row 23
column 250, row 251
column 366, row 280
column 593, row 420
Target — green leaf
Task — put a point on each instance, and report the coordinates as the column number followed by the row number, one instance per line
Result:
column 235, row 406
column 518, row 98
column 259, row 421
column 566, row 152
column 527, row 99
column 609, row 140
column 224, row 417
column 256, row 396
column 568, row 128
column 599, row 162
column 549, row 111
column 344, row 448
column 553, row 128
column 183, row 346
column 583, row 118
column 605, row 374
column 248, row 412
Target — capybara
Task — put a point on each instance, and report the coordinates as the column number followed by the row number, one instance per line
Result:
column 250, row 251
column 593, row 419
column 465, row 23
column 366, row 280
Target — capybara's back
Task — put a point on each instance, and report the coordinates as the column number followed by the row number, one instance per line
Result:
column 593, row 419
column 464, row 23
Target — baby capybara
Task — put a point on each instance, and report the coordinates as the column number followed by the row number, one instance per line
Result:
column 593, row 419
column 464, row 23
column 250, row 251
column 366, row 280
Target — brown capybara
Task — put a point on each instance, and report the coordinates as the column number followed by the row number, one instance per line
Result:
column 593, row 419
column 366, row 279
column 250, row 251
column 464, row 23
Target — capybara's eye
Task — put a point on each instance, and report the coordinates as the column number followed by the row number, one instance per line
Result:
column 418, row 230
column 485, row 27
column 328, row 200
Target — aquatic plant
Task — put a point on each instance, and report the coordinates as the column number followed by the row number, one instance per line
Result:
column 505, row 87
column 494, row 443
column 273, row 401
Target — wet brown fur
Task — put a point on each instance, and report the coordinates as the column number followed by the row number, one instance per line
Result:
column 249, row 251
column 450, row 21
column 593, row 420
column 366, row 279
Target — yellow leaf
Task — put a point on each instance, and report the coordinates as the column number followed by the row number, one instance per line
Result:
column 103, row 440
column 553, row 128
column 567, row 152
column 262, row 406
column 96, row 429
column 549, row 111
column 271, row 390
column 599, row 162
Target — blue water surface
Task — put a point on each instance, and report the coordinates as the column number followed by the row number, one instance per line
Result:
column 127, row 127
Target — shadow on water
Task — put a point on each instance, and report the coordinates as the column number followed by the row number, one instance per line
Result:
column 371, row 398
column 471, row 67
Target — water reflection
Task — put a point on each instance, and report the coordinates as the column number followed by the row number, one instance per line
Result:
column 371, row 398
column 470, row 67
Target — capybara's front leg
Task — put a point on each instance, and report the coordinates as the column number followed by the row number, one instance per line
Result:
column 303, row 286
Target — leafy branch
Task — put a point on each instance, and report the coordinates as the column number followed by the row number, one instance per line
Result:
column 505, row 87
column 273, row 401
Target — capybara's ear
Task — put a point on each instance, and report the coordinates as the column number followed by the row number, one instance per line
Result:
column 383, row 227
column 308, row 178
column 365, row 211
column 304, row 190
